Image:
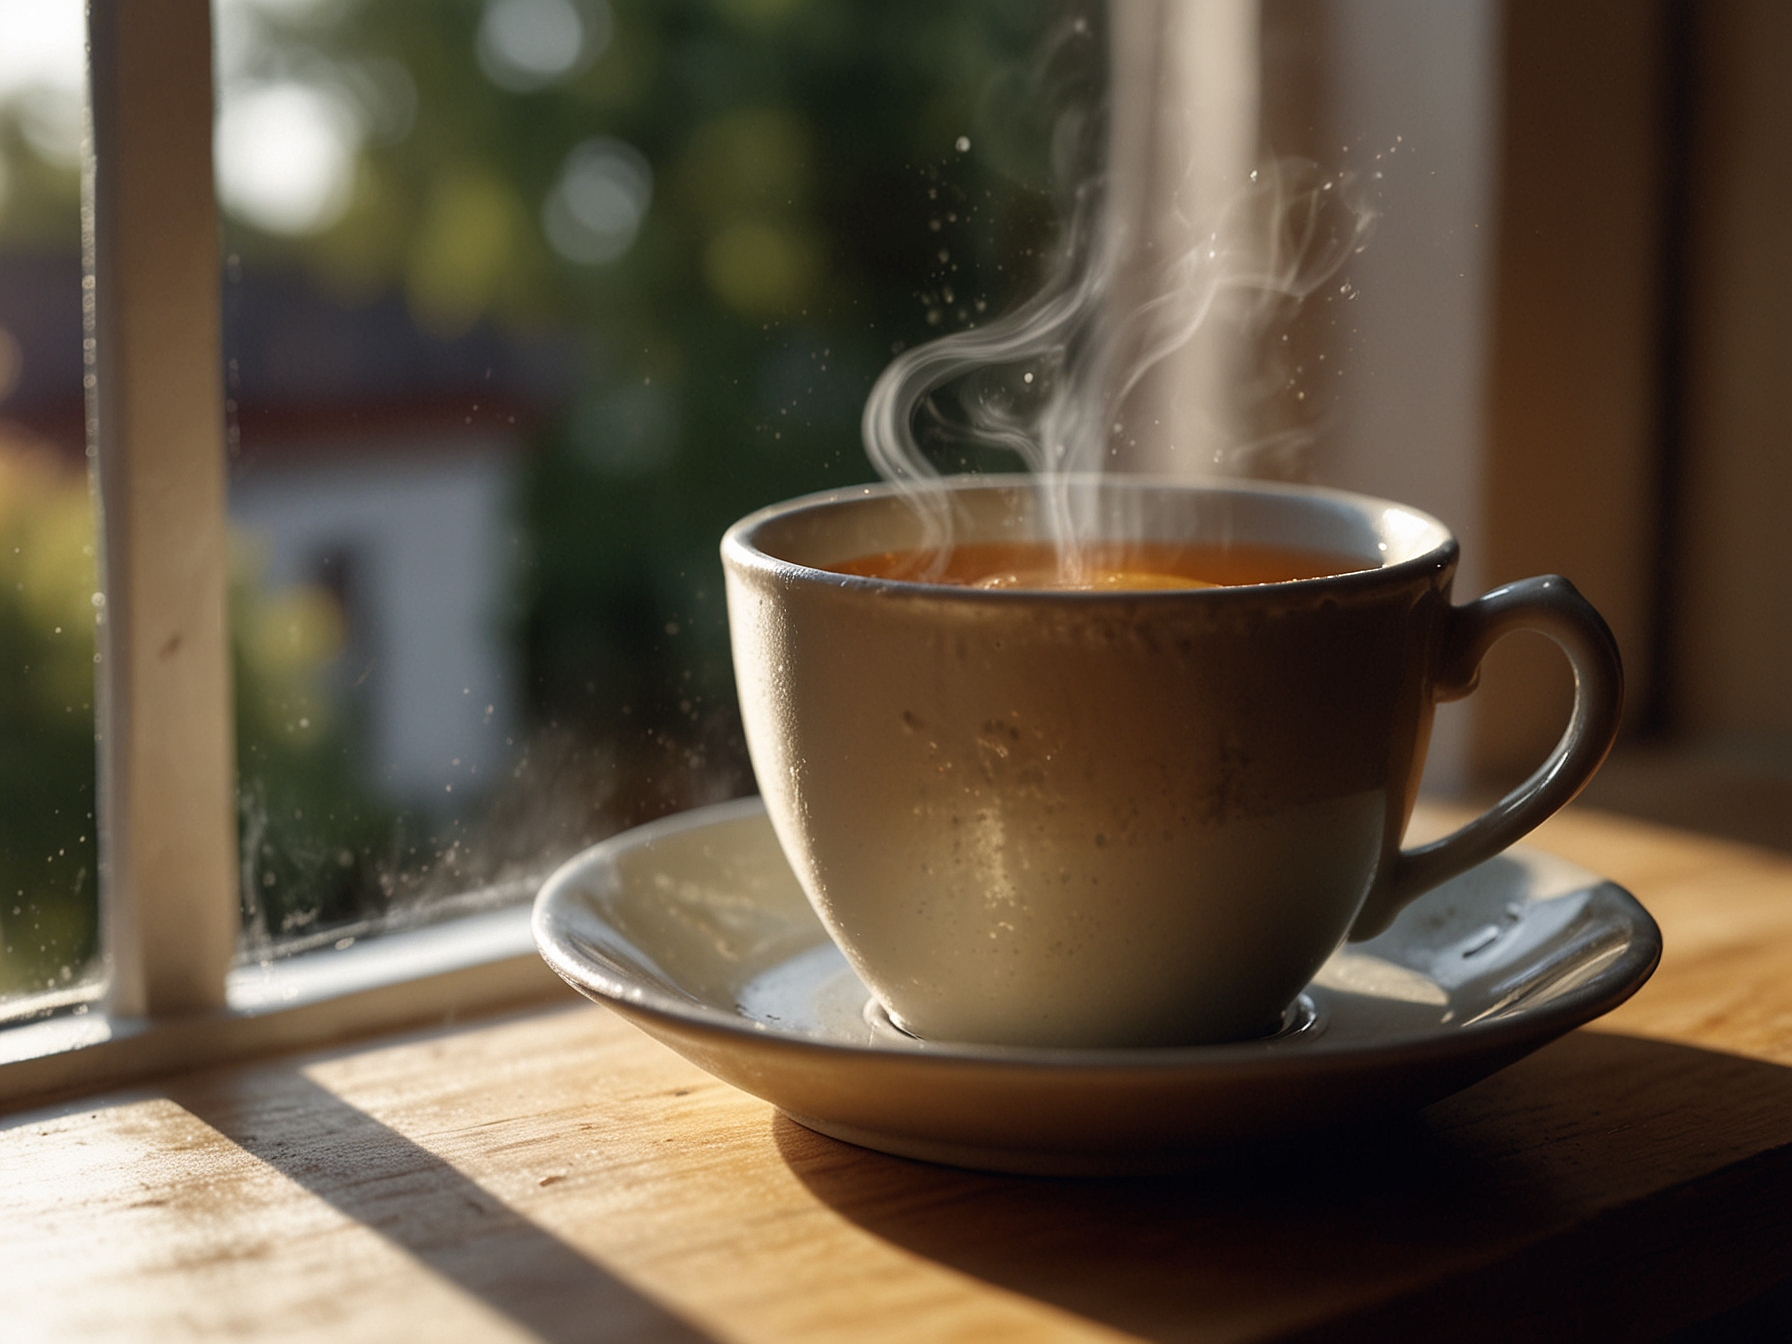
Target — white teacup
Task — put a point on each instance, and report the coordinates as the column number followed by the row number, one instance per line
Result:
column 1121, row 818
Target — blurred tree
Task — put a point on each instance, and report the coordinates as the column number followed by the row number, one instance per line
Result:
column 742, row 207
column 48, row 851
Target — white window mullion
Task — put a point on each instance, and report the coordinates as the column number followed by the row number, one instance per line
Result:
column 156, row 427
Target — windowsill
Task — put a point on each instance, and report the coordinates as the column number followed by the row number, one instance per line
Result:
column 476, row 963
column 1739, row 788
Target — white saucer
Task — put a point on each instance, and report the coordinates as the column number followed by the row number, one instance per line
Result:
column 695, row 928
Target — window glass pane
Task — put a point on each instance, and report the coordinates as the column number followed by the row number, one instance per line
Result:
column 525, row 301
column 48, row 849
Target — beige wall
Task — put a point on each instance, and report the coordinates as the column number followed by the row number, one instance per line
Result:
column 1571, row 400
column 1574, row 399
column 1733, row 655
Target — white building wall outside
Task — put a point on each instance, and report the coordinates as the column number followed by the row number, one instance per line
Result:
column 430, row 562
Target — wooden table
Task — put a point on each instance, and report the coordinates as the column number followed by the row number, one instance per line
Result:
column 556, row 1175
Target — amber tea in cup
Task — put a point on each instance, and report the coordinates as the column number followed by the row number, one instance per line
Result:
column 1098, row 566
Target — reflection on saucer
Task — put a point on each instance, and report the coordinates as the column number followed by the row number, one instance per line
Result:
column 1351, row 972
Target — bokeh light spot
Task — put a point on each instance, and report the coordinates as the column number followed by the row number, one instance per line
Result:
column 595, row 208
column 286, row 156
column 761, row 270
column 525, row 45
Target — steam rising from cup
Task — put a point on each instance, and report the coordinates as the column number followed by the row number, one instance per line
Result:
column 1050, row 381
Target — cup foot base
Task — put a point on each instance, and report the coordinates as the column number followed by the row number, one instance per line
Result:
column 1296, row 1019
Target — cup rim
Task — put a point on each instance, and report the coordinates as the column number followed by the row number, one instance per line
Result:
column 739, row 547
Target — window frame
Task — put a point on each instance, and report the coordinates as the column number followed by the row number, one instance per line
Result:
column 172, row 995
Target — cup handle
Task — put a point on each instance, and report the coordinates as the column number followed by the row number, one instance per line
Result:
column 1551, row 606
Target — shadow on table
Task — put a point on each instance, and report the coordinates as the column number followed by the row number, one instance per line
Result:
column 1606, row 1187
column 427, row 1208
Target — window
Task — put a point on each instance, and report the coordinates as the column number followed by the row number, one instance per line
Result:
column 521, row 303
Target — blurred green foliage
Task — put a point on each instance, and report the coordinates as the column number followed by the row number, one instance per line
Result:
column 811, row 212
column 48, row 850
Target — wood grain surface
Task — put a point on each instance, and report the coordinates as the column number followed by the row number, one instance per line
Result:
column 555, row 1175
